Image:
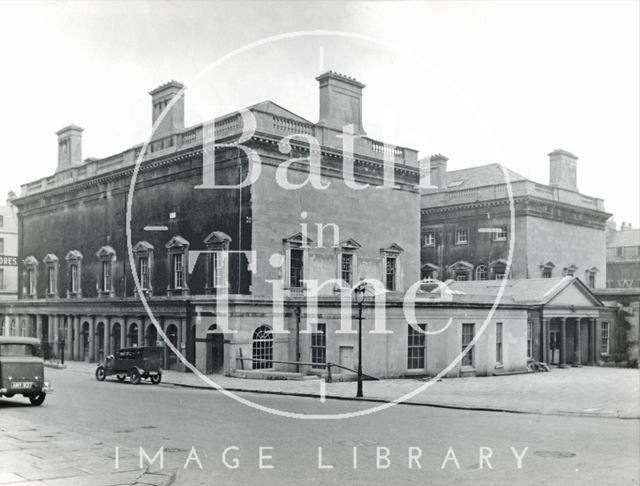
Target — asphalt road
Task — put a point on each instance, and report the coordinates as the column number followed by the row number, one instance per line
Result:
column 195, row 427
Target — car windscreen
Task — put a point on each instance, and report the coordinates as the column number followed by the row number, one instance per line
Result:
column 14, row 349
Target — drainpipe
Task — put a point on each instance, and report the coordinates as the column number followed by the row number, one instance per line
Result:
column 296, row 311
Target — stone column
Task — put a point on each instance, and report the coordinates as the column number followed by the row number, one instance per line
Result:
column 123, row 333
column 563, row 343
column 544, row 341
column 77, row 341
column 578, row 362
column 68, row 339
column 597, row 336
column 92, row 339
column 39, row 326
column 141, row 332
column 107, row 337
column 5, row 325
column 592, row 341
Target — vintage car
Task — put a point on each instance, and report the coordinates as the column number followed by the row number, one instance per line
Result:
column 22, row 369
column 136, row 363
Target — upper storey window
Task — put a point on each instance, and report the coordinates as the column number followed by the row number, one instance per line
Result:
column 347, row 261
column 462, row 237
column 178, row 249
column 391, row 266
column 295, row 259
column 143, row 258
column 74, row 261
column 217, row 244
column 31, row 276
column 51, row 265
column 107, row 257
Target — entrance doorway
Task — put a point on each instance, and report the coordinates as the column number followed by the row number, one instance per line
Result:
column 554, row 345
column 215, row 350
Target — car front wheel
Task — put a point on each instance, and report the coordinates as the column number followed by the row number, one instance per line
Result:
column 101, row 373
column 37, row 399
column 121, row 377
column 155, row 379
column 135, row 377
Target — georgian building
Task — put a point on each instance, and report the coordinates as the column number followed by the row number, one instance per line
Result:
column 623, row 257
column 465, row 224
column 8, row 250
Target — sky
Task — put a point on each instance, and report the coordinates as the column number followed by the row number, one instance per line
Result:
column 480, row 82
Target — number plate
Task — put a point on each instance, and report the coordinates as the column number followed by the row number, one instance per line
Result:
column 22, row 384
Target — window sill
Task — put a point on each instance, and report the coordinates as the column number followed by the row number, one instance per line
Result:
column 498, row 366
column 416, row 372
column 461, row 243
column 467, row 369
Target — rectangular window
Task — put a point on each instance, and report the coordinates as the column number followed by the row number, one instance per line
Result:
column 529, row 339
column 1, row 245
column 619, row 251
column 499, row 343
column 430, row 239
column 468, row 331
column 462, row 237
column 546, row 273
column 346, row 269
column 501, row 233
column 31, row 281
column 106, row 276
column 143, row 272
column 178, row 274
column 499, row 276
column 51, row 279
column 1, row 221
column 462, row 277
column 319, row 346
column 416, row 348
column 592, row 281
column 296, row 267
column 219, row 270
column 390, row 273
column 74, row 278
column 2, row 287
column 604, row 343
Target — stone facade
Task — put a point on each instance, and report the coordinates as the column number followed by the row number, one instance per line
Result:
column 466, row 228
column 8, row 250
column 623, row 257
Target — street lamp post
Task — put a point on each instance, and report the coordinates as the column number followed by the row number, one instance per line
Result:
column 359, row 295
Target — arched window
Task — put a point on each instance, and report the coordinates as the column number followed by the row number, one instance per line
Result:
column 263, row 348
column 482, row 272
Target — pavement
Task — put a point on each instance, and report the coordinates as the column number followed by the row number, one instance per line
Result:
column 586, row 392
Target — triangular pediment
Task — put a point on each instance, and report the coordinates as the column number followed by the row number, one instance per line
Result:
column 349, row 244
column 430, row 266
column 73, row 255
column 298, row 239
column 217, row 238
column 393, row 248
column 143, row 247
column 575, row 294
column 106, row 252
column 461, row 264
column 50, row 258
column 548, row 264
column 500, row 262
column 30, row 261
column 177, row 242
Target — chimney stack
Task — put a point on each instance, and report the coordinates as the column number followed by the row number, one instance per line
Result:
column 174, row 119
column 69, row 147
column 340, row 102
column 563, row 170
column 437, row 165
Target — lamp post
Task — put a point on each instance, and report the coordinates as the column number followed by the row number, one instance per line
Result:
column 359, row 296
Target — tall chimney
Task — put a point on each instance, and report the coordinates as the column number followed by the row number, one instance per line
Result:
column 173, row 121
column 340, row 102
column 69, row 147
column 563, row 170
column 437, row 166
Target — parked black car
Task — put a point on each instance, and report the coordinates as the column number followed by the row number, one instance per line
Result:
column 22, row 369
column 136, row 363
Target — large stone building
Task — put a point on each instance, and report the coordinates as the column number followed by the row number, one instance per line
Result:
column 465, row 224
column 229, row 273
column 623, row 257
column 8, row 250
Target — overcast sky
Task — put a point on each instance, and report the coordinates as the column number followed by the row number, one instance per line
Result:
column 480, row 82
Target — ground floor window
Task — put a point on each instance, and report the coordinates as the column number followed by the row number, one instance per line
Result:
column 263, row 348
column 416, row 348
column 319, row 346
column 468, row 331
column 529, row 339
column 604, row 343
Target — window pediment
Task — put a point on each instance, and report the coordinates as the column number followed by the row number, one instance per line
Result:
column 392, row 248
column 73, row 255
column 349, row 245
column 143, row 247
column 217, row 238
column 30, row 261
column 177, row 243
column 500, row 262
column 50, row 258
column 430, row 266
column 549, row 264
column 106, row 252
column 298, row 239
column 461, row 265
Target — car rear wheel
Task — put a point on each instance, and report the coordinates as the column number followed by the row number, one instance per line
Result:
column 101, row 373
column 155, row 379
column 135, row 377
column 121, row 377
column 37, row 399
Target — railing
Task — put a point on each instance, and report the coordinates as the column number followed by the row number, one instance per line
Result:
column 327, row 366
column 293, row 126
